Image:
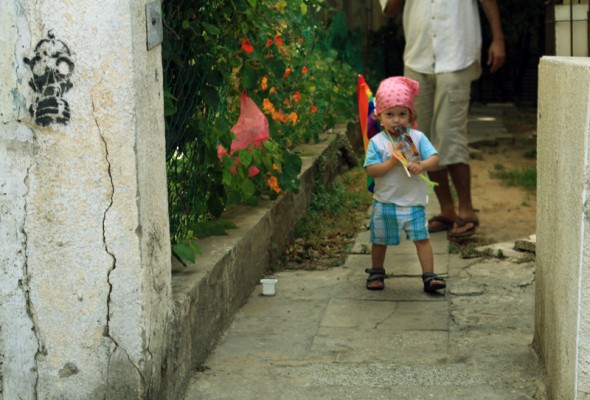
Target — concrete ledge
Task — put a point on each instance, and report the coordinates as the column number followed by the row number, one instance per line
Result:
column 207, row 294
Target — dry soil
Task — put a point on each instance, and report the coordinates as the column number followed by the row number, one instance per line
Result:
column 505, row 213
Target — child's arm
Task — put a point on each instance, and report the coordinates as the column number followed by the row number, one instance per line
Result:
column 380, row 169
column 425, row 165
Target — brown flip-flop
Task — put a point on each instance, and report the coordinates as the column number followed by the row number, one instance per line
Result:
column 445, row 224
column 461, row 222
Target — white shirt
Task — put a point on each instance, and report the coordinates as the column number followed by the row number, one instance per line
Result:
column 395, row 186
column 441, row 35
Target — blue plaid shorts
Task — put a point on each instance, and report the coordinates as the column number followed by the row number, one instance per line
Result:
column 388, row 221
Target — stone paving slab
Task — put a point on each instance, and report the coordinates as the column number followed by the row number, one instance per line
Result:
column 409, row 346
column 385, row 316
column 341, row 381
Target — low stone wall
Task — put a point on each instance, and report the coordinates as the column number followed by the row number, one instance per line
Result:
column 207, row 294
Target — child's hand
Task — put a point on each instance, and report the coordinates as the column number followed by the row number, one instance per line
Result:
column 415, row 168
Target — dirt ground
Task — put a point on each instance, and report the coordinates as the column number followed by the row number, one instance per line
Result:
column 505, row 213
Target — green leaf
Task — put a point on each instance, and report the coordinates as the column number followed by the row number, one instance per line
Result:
column 292, row 165
column 217, row 230
column 186, row 24
column 183, row 252
column 250, row 78
column 215, row 78
column 210, row 96
column 215, row 205
column 212, row 29
column 199, row 229
column 252, row 3
column 246, row 158
column 195, row 247
column 169, row 104
column 278, row 67
column 235, row 62
column 248, row 189
column 227, row 224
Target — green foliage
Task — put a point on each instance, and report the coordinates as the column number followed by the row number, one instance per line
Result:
column 188, row 248
column 524, row 177
column 336, row 209
column 277, row 53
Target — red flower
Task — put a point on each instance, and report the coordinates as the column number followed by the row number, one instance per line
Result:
column 247, row 46
column 313, row 109
column 278, row 40
column 287, row 72
column 268, row 42
column 304, row 70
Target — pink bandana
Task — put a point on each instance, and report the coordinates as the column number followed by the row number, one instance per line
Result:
column 396, row 91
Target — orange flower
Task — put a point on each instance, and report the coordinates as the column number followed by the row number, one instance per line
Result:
column 280, row 116
column 274, row 184
column 287, row 102
column 313, row 109
column 276, row 167
column 297, row 96
column 293, row 118
column 264, row 83
column 273, row 90
column 304, row 70
column 247, row 46
column 267, row 106
column 287, row 72
column 278, row 40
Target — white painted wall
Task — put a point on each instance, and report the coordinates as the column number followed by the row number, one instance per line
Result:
column 84, row 245
column 562, row 316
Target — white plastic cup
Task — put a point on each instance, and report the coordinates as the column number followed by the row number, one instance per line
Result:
column 268, row 286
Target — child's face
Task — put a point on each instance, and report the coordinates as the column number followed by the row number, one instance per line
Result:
column 395, row 117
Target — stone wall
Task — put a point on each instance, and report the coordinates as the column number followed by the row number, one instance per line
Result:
column 562, row 316
column 84, row 241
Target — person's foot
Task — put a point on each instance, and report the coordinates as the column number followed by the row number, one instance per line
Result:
column 376, row 279
column 440, row 223
column 464, row 227
column 433, row 282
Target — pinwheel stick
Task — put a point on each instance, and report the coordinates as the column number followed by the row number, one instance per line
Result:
column 401, row 159
column 405, row 162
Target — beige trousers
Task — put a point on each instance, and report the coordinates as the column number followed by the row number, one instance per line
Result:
column 442, row 107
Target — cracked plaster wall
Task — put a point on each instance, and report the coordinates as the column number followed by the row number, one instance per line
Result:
column 83, row 209
column 562, row 315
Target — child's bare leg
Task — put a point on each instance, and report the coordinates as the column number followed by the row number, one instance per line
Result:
column 432, row 282
column 378, row 255
column 375, row 280
column 425, row 255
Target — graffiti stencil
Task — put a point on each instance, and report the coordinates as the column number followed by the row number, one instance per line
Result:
column 52, row 68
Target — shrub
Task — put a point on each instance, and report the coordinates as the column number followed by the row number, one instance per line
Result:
column 279, row 54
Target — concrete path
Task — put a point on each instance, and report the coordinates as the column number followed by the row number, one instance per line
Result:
column 324, row 336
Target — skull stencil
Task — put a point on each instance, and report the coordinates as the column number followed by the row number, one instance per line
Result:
column 52, row 68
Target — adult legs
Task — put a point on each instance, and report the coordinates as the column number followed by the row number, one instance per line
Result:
column 445, row 104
